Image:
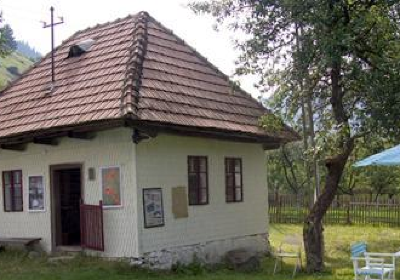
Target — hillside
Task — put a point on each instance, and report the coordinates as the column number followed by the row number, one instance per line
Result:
column 12, row 66
column 28, row 51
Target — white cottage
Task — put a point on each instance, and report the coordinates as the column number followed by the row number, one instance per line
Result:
column 140, row 148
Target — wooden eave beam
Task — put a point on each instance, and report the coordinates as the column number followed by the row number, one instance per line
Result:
column 51, row 141
column 14, row 147
column 63, row 131
column 207, row 133
column 271, row 146
column 82, row 135
column 140, row 135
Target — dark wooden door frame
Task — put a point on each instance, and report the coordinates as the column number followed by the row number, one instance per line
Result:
column 53, row 168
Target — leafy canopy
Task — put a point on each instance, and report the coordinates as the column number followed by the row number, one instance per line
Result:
column 4, row 38
column 293, row 46
column 340, row 58
column 9, row 41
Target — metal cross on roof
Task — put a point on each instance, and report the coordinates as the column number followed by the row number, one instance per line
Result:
column 51, row 25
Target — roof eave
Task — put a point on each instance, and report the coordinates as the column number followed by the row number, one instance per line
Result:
column 60, row 131
column 209, row 132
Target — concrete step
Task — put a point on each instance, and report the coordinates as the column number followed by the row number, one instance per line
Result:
column 67, row 251
column 60, row 259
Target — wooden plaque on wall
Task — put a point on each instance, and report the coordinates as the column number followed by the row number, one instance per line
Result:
column 179, row 202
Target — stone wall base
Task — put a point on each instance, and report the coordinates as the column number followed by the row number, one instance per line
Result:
column 210, row 252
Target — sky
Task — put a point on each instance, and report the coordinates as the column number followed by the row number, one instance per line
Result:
column 26, row 18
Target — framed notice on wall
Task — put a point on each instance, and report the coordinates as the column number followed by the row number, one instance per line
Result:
column 111, row 186
column 153, row 208
column 36, row 193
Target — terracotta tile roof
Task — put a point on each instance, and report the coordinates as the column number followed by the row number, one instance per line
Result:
column 136, row 69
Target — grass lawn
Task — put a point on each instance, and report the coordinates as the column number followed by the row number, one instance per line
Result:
column 18, row 267
column 15, row 59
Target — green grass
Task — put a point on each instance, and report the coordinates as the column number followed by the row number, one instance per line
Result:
column 13, row 60
column 337, row 242
column 16, row 266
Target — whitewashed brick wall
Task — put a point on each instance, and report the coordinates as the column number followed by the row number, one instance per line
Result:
column 162, row 163
column 109, row 148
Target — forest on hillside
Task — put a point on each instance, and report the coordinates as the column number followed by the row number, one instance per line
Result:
column 16, row 56
column 27, row 50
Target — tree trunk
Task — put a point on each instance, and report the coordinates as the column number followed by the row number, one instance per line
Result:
column 313, row 228
column 377, row 196
column 348, row 218
column 303, row 102
column 314, row 245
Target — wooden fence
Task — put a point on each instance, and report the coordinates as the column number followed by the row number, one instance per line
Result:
column 344, row 210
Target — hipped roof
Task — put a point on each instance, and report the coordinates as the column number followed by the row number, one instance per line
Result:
column 136, row 70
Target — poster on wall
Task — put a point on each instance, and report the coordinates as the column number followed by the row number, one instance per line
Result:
column 153, row 208
column 36, row 193
column 111, row 186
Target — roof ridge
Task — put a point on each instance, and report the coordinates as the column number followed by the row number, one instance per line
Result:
column 234, row 87
column 99, row 25
column 134, row 68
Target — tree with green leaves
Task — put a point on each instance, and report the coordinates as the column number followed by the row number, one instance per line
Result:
column 342, row 54
column 9, row 40
column 286, row 171
column 4, row 50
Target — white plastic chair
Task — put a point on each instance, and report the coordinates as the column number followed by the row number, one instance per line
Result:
column 375, row 265
column 289, row 248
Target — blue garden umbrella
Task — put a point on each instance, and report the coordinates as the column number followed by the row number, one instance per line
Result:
column 388, row 157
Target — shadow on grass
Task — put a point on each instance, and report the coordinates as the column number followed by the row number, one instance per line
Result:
column 17, row 266
column 338, row 239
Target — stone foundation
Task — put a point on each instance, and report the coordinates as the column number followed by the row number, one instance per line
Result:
column 211, row 252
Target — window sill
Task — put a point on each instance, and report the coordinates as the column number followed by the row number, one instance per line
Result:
column 203, row 204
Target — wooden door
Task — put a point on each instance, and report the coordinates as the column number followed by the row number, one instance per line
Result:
column 66, row 188
column 92, row 232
